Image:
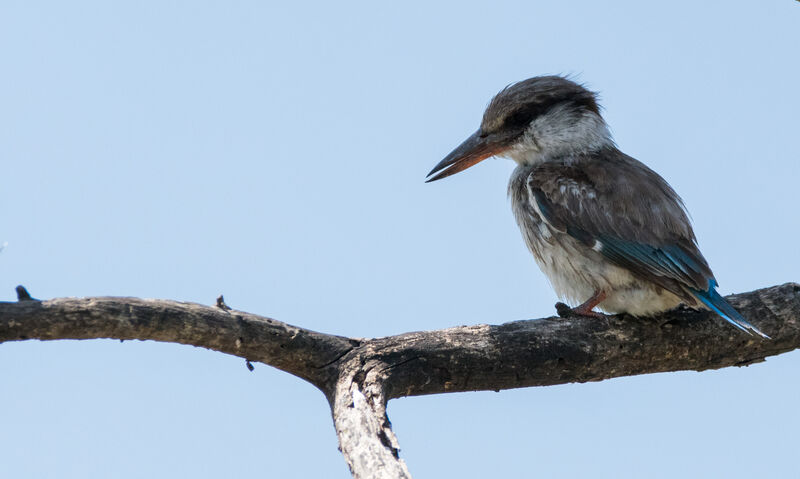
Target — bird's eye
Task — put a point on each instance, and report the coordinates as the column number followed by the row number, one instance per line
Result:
column 522, row 117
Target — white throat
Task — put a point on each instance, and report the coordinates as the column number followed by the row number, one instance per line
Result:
column 560, row 132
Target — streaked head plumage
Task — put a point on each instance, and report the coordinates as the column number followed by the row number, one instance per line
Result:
column 518, row 104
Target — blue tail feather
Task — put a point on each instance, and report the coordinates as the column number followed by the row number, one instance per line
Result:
column 717, row 303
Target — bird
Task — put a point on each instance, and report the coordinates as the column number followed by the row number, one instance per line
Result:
column 606, row 230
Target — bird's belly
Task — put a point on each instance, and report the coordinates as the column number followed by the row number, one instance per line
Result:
column 576, row 272
column 572, row 270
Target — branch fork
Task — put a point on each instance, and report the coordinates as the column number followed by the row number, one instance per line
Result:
column 359, row 376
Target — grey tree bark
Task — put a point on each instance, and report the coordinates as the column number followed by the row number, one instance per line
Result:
column 359, row 376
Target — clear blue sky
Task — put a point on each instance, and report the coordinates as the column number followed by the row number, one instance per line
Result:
column 276, row 154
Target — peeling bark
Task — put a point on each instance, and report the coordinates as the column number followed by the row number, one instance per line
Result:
column 359, row 376
column 365, row 434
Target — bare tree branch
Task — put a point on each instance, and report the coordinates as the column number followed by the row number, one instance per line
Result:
column 359, row 376
column 298, row 351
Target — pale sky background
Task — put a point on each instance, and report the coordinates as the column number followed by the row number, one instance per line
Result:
column 276, row 153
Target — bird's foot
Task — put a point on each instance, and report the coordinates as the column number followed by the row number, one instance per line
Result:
column 585, row 309
column 566, row 312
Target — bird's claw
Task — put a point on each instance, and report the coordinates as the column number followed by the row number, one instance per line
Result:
column 565, row 311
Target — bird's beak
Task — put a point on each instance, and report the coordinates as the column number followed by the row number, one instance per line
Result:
column 472, row 151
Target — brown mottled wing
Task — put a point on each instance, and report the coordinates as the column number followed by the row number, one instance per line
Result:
column 618, row 206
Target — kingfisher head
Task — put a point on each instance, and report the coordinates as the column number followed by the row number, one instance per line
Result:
column 532, row 121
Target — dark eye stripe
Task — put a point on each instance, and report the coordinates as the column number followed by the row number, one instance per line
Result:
column 523, row 116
